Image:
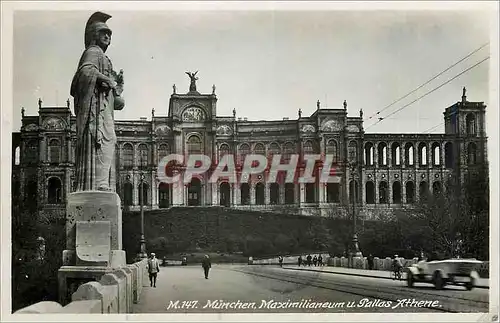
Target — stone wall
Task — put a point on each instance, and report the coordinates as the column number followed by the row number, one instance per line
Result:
column 116, row 292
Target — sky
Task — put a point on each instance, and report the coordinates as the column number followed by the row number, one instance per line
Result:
column 266, row 64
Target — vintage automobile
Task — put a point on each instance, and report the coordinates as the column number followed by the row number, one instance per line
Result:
column 442, row 272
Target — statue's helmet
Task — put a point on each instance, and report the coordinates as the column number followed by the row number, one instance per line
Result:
column 95, row 24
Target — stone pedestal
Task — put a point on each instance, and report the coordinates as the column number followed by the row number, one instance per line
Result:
column 93, row 240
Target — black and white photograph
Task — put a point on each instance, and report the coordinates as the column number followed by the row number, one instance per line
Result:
column 270, row 161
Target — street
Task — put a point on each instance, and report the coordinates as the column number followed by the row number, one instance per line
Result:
column 267, row 289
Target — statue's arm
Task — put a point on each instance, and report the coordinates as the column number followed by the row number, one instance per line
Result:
column 89, row 67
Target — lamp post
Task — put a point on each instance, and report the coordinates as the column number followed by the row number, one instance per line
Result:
column 142, row 252
column 356, row 251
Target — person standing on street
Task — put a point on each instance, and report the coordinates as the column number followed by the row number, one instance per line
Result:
column 153, row 269
column 206, row 264
column 370, row 262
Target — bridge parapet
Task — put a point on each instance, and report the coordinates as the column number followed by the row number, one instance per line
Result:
column 115, row 292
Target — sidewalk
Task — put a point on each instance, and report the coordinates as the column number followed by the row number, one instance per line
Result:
column 481, row 283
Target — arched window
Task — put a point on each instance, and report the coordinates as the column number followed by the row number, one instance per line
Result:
column 332, row 149
column 382, row 154
column 259, row 194
column 288, row 150
column 410, row 192
column 436, row 154
column 163, row 150
column 17, row 156
column 225, row 194
column 448, row 155
column 164, row 195
column 224, row 150
column 244, row 151
column 194, row 145
column 245, row 194
column 370, row 192
column 127, row 194
column 308, row 147
column 128, row 155
column 274, row 193
column 383, row 192
column 274, row 149
column 54, row 191
column 144, row 195
column 470, row 121
column 333, row 192
column 409, row 154
column 369, row 153
column 54, row 151
column 259, row 149
column 143, row 155
column 423, row 190
column 396, row 192
column 289, row 193
column 310, row 193
column 395, row 154
column 422, row 154
column 352, row 151
column 31, row 151
column 471, row 154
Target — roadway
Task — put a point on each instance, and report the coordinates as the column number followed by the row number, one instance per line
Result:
column 270, row 289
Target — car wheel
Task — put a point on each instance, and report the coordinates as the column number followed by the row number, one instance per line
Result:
column 470, row 285
column 409, row 279
column 438, row 280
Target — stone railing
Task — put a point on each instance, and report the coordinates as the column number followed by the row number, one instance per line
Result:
column 290, row 260
column 116, row 292
column 362, row 262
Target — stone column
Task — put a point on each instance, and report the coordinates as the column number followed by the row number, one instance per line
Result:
column 267, row 194
column 302, row 193
column 135, row 182
column 215, row 194
column 152, row 190
column 321, row 192
column 42, row 147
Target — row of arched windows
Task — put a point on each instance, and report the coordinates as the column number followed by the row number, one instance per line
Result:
column 331, row 148
column 409, row 154
column 397, row 193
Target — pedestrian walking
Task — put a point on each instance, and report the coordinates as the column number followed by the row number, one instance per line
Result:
column 300, row 260
column 370, row 261
column 153, row 269
column 309, row 260
column 320, row 261
column 206, row 264
column 315, row 261
column 280, row 259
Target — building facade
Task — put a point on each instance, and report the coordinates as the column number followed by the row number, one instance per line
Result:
column 375, row 172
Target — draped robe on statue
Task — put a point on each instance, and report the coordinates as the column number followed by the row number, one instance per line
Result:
column 94, row 109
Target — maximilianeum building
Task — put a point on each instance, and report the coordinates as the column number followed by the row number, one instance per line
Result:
column 376, row 172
